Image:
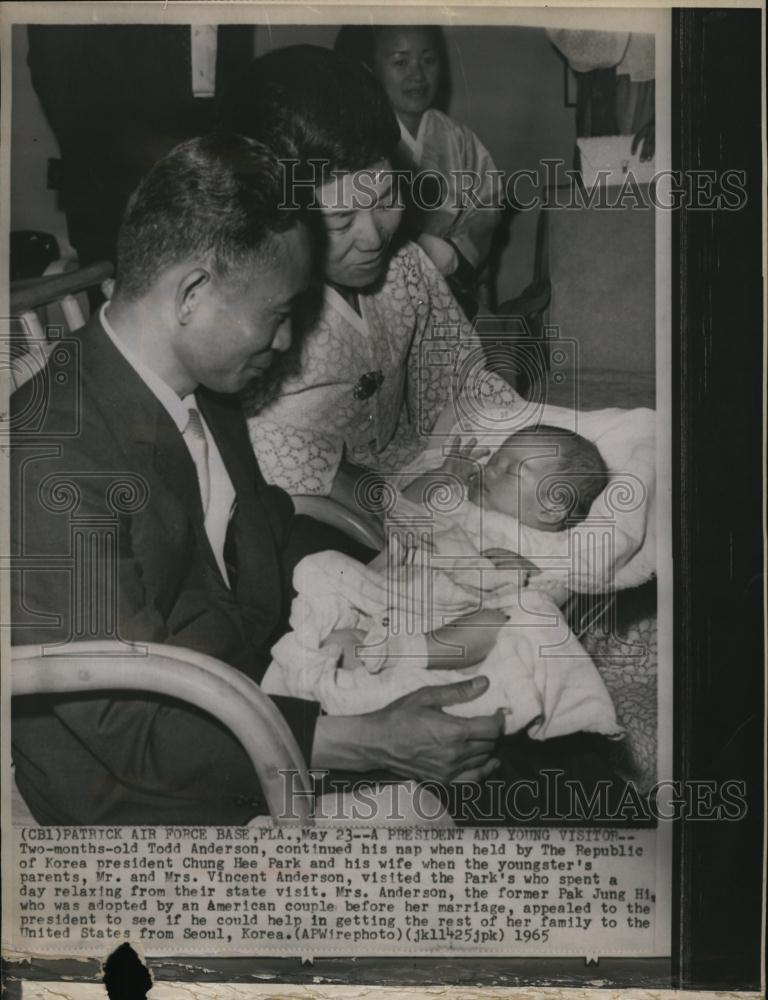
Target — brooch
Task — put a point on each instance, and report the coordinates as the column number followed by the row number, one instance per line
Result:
column 367, row 384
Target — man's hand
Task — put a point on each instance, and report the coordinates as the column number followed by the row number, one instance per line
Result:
column 413, row 737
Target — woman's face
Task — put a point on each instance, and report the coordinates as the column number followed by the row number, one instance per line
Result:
column 408, row 66
column 361, row 212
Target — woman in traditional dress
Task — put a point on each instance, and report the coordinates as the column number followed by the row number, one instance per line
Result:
column 456, row 223
column 387, row 346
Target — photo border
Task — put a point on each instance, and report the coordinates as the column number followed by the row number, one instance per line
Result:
column 718, row 934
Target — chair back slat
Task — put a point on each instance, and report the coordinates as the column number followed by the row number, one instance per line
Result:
column 73, row 314
column 237, row 702
column 30, row 302
column 33, row 293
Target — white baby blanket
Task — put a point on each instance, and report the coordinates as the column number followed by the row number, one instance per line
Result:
column 538, row 672
column 615, row 546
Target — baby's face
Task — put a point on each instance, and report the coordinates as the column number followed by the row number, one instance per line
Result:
column 510, row 484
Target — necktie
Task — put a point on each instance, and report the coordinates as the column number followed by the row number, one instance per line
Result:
column 194, row 435
column 230, row 549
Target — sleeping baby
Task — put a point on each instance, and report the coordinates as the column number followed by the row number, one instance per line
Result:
column 365, row 635
column 543, row 476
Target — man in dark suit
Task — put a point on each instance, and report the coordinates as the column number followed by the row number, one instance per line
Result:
column 152, row 447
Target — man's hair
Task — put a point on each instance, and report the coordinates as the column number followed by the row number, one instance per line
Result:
column 583, row 470
column 318, row 105
column 214, row 200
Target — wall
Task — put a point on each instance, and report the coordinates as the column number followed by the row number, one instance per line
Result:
column 33, row 206
column 507, row 85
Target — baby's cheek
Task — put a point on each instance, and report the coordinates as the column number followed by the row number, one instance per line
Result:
column 502, row 502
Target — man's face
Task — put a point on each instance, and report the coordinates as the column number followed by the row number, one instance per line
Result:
column 361, row 213
column 239, row 323
column 513, row 482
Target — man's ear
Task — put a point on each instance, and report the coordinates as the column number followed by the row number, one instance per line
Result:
column 188, row 292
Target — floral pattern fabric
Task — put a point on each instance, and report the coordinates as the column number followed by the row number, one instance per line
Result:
column 627, row 658
column 412, row 335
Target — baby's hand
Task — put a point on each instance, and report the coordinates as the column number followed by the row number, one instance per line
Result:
column 457, row 472
column 462, row 459
column 346, row 640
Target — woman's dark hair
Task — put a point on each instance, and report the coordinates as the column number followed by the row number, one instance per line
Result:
column 358, row 42
column 315, row 104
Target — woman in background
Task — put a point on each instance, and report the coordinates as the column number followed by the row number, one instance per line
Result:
column 387, row 347
column 411, row 64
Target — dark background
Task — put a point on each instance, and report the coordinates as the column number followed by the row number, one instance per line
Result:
column 719, row 558
column 718, row 549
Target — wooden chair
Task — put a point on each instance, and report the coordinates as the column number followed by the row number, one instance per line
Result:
column 231, row 697
column 31, row 298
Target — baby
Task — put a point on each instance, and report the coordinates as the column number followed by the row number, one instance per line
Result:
column 544, row 477
column 364, row 635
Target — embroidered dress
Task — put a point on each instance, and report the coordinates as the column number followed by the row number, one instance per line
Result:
column 372, row 383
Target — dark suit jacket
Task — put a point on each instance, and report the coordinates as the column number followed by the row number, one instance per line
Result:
column 85, row 426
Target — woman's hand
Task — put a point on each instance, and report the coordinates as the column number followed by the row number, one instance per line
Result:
column 440, row 252
column 465, row 641
column 506, row 559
